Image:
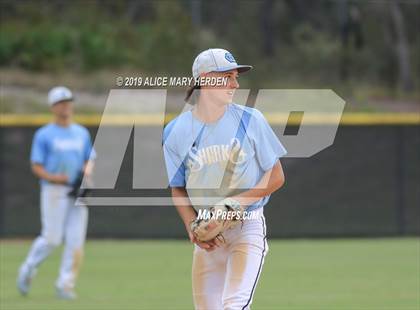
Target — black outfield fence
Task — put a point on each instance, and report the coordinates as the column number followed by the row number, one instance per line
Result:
column 366, row 184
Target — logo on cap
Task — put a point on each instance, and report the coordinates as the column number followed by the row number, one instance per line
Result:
column 229, row 57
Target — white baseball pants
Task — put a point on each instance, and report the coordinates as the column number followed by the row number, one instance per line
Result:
column 226, row 278
column 61, row 221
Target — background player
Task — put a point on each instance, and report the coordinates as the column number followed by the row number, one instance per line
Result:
column 198, row 146
column 61, row 152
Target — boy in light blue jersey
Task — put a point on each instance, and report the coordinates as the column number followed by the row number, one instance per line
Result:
column 61, row 153
column 223, row 150
column 61, row 150
column 196, row 153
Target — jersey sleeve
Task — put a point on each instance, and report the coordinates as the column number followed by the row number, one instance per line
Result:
column 268, row 148
column 175, row 167
column 39, row 149
column 174, row 162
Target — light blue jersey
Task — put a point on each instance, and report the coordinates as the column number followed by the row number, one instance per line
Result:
column 62, row 150
column 197, row 154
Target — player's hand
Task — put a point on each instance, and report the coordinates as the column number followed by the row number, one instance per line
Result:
column 59, row 179
column 208, row 245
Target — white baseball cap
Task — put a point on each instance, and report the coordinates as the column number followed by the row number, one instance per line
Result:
column 58, row 94
column 216, row 60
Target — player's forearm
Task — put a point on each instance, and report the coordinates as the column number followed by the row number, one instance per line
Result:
column 88, row 167
column 39, row 171
column 271, row 181
column 183, row 206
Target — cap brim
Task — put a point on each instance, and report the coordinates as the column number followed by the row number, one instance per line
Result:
column 62, row 100
column 240, row 68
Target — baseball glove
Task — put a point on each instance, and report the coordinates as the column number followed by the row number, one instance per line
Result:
column 77, row 190
column 222, row 216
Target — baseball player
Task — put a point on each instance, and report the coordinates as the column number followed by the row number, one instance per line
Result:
column 61, row 153
column 222, row 156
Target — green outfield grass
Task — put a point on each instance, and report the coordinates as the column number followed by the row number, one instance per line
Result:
column 298, row 274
